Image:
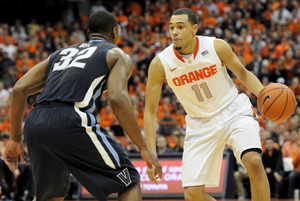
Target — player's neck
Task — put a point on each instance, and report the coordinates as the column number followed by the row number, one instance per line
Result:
column 96, row 36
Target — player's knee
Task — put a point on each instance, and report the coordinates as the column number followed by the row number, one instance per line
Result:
column 253, row 163
column 191, row 195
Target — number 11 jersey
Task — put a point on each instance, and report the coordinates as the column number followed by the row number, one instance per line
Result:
column 201, row 83
column 78, row 74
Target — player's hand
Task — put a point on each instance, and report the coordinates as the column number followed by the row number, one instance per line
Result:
column 154, row 168
column 12, row 151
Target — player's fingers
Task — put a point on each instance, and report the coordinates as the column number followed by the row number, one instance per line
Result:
column 151, row 174
column 158, row 168
column 11, row 162
column 22, row 158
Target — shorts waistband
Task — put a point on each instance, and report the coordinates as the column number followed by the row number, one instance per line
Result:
column 55, row 104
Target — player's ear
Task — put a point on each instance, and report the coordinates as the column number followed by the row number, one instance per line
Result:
column 88, row 33
column 195, row 28
column 114, row 32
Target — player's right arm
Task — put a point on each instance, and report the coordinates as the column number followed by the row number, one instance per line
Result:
column 32, row 82
column 121, row 70
column 156, row 77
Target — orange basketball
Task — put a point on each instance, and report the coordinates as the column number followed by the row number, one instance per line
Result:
column 276, row 102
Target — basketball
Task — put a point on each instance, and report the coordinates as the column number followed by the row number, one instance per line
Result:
column 276, row 102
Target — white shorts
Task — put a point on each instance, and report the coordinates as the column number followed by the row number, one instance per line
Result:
column 206, row 138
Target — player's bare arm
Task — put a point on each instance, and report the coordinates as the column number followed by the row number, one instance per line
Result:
column 229, row 59
column 32, row 82
column 121, row 71
column 156, row 77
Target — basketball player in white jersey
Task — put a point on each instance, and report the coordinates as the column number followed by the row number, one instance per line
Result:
column 194, row 67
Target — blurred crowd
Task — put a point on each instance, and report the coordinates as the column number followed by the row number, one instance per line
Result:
column 263, row 33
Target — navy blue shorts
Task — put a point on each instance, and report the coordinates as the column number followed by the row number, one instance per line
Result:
column 61, row 140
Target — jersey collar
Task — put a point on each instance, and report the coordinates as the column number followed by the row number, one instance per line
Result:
column 195, row 51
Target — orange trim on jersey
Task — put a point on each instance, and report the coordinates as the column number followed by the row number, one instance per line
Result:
column 177, row 55
column 197, row 48
column 195, row 51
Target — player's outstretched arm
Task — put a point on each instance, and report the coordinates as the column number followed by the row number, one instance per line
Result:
column 229, row 59
column 32, row 82
column 156, row 77
column 121, row 69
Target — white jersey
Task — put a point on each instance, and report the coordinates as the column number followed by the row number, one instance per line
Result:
column 201, row 83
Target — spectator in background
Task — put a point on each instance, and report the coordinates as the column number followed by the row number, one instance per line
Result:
column 288, row 63
column 295, row 87
column 5, row 63
column 4, row 94
column 287, row 149
column 8, row 48
column 167, row 125
column 97, row 6
column 272, row 160
column 18, row 33
column 279, row 72
column 130, row 147
column 162, row 145
column 294, row 176
column 240, row 177
column 255, row 65
column 282, row 15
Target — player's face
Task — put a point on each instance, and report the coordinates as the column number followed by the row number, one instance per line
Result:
column 181, row 31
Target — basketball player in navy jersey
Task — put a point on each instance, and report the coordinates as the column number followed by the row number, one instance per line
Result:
column 195, row 68
column 61, row 131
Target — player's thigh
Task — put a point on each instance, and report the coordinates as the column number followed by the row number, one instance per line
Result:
column 203, row 152
column 51, row 178
column 99, row 163
column 244, row 136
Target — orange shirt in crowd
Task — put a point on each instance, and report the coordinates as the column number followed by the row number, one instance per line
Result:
column 20, row 62
column 296, row 160
column 289, row 64
column 135, row 8
column 57, row 34
column 10, row 38
column 210, row 21
column 296, row 91
column 179, row 118
column 106, row 118
column 280, row 49
column 287, row 148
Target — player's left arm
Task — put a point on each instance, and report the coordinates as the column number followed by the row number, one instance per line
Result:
column 229, row 59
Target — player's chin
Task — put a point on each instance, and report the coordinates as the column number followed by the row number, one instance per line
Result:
column 177, row 47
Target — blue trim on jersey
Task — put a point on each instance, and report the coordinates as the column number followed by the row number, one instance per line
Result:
column 95, row 96
column 96, row 40
column 92, row 118
column 108, row 145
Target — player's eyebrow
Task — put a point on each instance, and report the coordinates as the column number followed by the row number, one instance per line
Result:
column 177, row 23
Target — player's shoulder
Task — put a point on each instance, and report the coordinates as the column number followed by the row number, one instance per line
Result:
column 221, row 45
column 166, row 52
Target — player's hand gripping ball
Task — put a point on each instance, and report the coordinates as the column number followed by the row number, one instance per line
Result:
column 276, row 102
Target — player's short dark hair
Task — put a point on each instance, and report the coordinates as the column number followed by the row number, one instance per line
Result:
column 102, row 22
column 192, row 17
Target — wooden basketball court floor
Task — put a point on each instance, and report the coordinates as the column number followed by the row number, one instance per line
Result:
column 217, row 200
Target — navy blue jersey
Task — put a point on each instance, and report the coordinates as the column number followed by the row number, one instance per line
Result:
column 78, row 73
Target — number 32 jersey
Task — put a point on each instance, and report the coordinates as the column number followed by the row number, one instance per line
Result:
column 78, row 73
column 201, row 83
